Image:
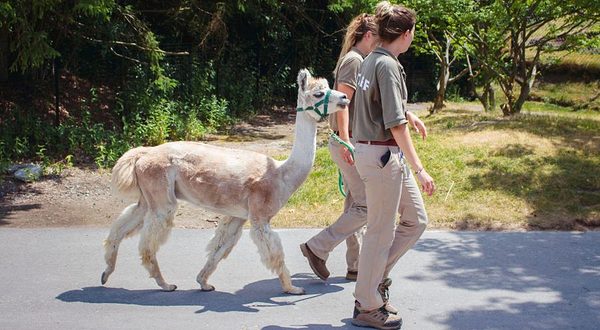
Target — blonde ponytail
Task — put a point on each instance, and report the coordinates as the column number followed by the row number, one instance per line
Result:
column 355, row 31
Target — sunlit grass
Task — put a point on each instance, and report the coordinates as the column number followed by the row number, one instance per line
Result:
column 583, row 97
column 318, row 201
column 580, row 60
column 565, row 99
column 529, row 172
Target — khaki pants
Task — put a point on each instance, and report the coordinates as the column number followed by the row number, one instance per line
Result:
column 382, row 246
column 349, row 226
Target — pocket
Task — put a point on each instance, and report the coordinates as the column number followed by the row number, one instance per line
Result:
column 385, row 158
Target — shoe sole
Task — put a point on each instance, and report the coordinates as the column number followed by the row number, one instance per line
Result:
column 305, row 252
column 360, row 323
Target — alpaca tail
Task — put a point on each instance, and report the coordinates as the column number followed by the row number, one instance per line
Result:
column 124, row 181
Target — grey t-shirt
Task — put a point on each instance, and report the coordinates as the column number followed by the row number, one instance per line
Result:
column 346, row 74
column 380, row 97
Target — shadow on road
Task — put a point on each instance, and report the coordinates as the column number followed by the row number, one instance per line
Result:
column 313, row 326
column 532, row 280
column 250, row 299
column 6, row 210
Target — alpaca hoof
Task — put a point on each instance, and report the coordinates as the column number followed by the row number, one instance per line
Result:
column 207, row 287
column 296, row 290
column 169, row 288
column 104, row 278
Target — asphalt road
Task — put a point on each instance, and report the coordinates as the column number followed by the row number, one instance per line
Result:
column 50, row 279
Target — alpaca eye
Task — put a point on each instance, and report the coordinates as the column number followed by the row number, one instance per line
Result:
column 319, row 94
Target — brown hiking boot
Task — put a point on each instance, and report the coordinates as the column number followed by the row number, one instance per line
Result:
column 378, row 318
column 352, row 275
column 384, row 291
column 317, row 264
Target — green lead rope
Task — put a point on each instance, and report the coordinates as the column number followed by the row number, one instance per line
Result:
column 340, row 182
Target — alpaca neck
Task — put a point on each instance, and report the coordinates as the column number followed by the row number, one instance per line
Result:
column 297, row 167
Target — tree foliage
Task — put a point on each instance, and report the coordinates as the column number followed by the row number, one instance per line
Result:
column 508, row 36
column 176, row 69
column 172, row 67
column 436, row 32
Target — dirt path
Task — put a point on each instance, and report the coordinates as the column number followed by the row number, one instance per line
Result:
column 81, row 196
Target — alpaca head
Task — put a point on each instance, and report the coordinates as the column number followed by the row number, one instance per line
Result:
column 316, row 98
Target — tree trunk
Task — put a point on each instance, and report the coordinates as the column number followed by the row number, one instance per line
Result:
column 56, row 67
column 521, row 99
column 442, row 84
column 485, row 98
column 4, row 53
column 491, row 97
column 525, row 90
column 256, row 102
column 488, row 95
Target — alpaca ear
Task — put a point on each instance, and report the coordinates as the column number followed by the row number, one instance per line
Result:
column 303, row 78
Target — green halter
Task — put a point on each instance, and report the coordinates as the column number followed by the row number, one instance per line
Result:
column 324, row 102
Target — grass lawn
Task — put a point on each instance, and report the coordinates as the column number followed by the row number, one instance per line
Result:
column 565, row 99
column 492, row 173
column 575, row 97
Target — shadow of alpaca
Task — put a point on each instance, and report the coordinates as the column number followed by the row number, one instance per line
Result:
column 251, row 298
column 313, row 326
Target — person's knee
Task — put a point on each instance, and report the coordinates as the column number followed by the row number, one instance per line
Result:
column 360, row 210
column 418, row 221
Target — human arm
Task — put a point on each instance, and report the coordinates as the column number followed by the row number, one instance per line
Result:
column 343, row 121
column 393, row 100
column 402, row 137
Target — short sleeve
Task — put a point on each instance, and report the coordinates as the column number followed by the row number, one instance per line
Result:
column 391, row 86
column 348, row 71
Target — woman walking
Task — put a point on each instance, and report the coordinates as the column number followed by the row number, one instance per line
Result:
column 360, row 39
column 382, row 149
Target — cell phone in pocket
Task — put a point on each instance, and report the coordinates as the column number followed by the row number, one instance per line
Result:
column 385, row 158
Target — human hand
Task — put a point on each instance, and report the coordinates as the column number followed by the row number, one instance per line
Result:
column 416, row 124
column 419, row 127
column 346, row 154
column 426, row 181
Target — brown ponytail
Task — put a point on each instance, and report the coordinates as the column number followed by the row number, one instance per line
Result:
column 393, row 20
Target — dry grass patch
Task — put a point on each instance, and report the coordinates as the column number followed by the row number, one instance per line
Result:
column 515, row 143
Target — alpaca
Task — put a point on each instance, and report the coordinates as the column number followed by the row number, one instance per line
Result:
column 242, row 185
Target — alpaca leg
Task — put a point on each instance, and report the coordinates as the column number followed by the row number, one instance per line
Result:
column 155, row 232
column 271, row 254
column 226, row 236
column 127, row 224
